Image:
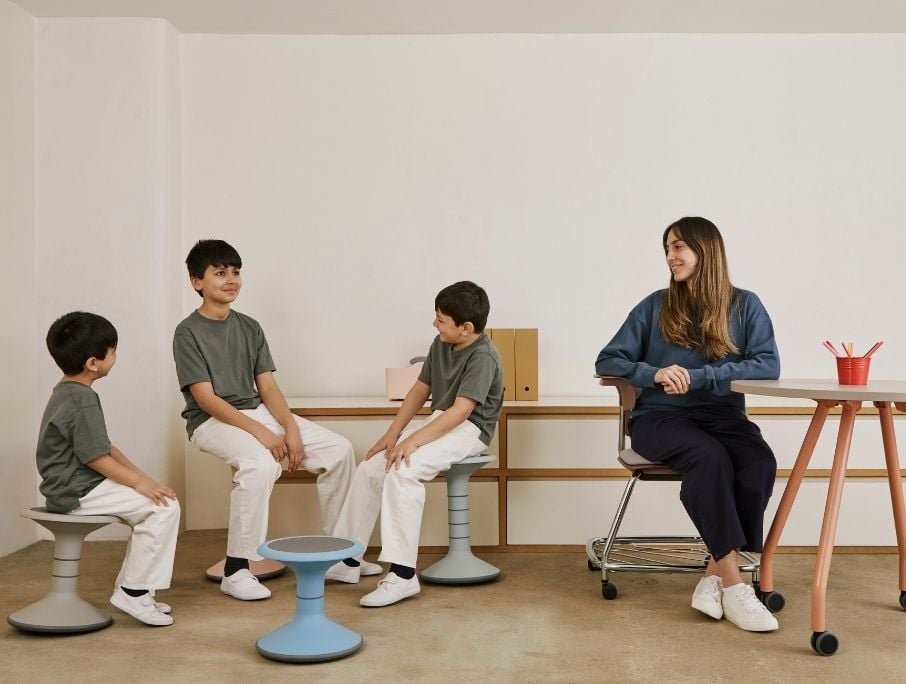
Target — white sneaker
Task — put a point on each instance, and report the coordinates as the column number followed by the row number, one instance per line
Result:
column 369, row 569
column 244, row 586
column 390, row 590
column 340, row 572
column 743, row 609
column 142, row 608
column 706, row 597
column 160, row 605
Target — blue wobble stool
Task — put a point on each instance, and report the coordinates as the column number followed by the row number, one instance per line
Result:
column 310, row 636
column 460, row 565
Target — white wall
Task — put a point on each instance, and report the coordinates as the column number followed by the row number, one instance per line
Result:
column 18, row 341
column 108, row 224
column 358, row 175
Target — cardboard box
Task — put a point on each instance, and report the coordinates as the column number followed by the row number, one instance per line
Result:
column 399, row 381
column 505, row 341
column 526, row 353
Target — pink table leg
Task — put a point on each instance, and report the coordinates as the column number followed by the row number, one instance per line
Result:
column 896, row 485
column 766, row 571
column 831, row 513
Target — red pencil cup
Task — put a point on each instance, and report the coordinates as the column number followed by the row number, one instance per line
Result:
column 853, row 370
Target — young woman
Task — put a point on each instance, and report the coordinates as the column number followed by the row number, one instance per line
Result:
column 682, row 346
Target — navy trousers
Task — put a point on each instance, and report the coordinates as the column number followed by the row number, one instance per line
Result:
column 728, row 470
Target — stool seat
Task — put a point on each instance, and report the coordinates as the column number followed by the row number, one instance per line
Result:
column 262, row 569
column 62, row 610
column 310, row 636
column 460, row 565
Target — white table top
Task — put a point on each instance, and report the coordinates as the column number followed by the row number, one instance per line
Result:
column 808, row 388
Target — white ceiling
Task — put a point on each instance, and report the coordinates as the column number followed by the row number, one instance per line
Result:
column 496, row 16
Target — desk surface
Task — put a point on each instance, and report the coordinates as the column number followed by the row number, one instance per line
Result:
column 382, row 403
column 879, row 390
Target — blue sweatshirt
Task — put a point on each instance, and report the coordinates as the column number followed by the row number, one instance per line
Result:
column 639, row 350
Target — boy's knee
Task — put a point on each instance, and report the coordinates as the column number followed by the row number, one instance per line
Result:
column 260, row 475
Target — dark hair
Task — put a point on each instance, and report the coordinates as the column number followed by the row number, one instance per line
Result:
column 696, row 313
column 77, row 336
column 211, row 253
column 464, row 302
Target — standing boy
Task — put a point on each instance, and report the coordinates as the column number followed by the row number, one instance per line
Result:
column 463, row 377
column 235, row 411
column 82, row 473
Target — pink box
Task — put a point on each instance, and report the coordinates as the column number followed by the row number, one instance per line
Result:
column 400, row 380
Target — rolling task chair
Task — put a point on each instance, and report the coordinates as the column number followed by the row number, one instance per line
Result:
column 646, row 554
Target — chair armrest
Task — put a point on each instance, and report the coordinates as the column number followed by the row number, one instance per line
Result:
column 628, row 393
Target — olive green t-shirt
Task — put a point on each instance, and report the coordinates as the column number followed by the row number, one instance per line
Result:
column 473, row 372
column 228, row 354
column 72, row 434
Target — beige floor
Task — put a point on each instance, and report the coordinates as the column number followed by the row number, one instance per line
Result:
column 543, row 621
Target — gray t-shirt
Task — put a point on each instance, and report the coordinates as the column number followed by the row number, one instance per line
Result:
column 72, row 434
column 472, row 372
column 228, row 354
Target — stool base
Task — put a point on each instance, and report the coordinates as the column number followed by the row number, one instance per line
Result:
column 309, row 639
column 460, row 567
column 59, row 613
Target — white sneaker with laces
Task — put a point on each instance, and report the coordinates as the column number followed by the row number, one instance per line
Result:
column 390, row 590
column 707, row 599
column 743, row 609
column 244, row 586
column 142, row 608
column 340, row 572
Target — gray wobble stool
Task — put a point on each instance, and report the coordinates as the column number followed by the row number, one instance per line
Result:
column 62, row 611
column 460, row 566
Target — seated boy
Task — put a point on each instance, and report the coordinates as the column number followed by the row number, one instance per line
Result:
column 462, row 374
column 82, row 473
column 235, row 411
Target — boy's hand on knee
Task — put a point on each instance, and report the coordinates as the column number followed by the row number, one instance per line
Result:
column 400, row 452
column 295, row 449
column 272, row 443
column 385, row 443
column 158, row 493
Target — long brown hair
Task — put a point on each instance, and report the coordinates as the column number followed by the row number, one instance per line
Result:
column 696, row 312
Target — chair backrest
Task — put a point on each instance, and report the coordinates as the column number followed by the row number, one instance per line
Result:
column 627, row 396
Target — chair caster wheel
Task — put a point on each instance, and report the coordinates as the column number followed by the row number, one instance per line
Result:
column 608, row 591
column 824, row 643
column 903, row 600
column 773, row 601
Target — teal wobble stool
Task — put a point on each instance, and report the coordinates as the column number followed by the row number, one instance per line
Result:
column 63, row 611
column 460, row 566
column 310, row 636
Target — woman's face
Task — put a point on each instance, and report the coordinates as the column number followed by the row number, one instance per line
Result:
column 681, row 260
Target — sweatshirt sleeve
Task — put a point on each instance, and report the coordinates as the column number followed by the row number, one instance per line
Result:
column 760, row 360
column 622, row 357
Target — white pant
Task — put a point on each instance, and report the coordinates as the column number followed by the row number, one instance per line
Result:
column 399, row 496
column 152, row 545
column 325, row 453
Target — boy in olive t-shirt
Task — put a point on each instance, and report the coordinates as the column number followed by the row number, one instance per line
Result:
column 462, row 374
column 84, row 474
column 235, row 411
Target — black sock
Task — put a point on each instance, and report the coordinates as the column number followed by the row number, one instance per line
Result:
column 402, row 571
column 351, row 562
column 234, row 565
column 134, row 592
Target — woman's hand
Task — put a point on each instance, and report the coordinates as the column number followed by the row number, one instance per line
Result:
column 674, row 379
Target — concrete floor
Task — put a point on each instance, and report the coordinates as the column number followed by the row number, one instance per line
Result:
column 543, row 621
